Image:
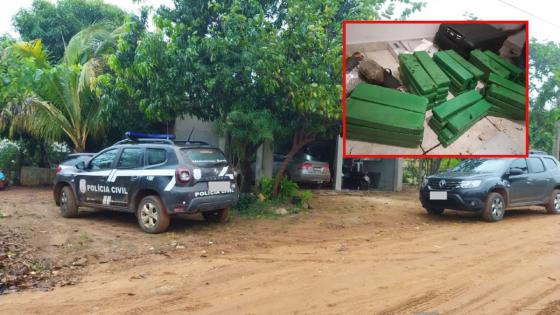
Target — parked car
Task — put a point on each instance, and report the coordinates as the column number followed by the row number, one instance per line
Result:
column 153, row 177
column 3, row 180
column 490, row 186
column 304, row 168
column 71, row 160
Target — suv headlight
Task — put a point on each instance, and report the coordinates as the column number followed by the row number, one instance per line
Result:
column 424, row 182
column 470, row 183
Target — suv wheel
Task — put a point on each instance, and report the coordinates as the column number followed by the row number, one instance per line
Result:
column 152, row 216
column 553, row 206
column 68, row 204
column 494, row 208
column 216, row 216
column 434, row 211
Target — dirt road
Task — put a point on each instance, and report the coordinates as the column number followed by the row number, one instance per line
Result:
column 366, row 254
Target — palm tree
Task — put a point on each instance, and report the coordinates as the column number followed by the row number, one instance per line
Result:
column 62, row 102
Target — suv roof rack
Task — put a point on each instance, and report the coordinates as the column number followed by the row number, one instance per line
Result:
column 144, row 140
column 535, row 152
column 191, row 142
column 132, row 136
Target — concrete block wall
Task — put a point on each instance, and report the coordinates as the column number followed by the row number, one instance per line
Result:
column 36, row 176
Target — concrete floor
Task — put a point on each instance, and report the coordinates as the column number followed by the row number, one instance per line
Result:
column 490, row 135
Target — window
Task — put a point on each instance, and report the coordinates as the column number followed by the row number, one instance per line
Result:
column 131, row 158
column 520, row 164
column 550, row 163
column 156, row 156
column 103, row 161
column 535, row 165
column 204, row 157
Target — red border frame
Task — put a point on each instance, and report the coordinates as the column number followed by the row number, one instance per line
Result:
column 345, row 22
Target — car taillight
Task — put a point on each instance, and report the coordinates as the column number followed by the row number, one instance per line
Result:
column 306, row 166
column 183, row 175
column 58, row 169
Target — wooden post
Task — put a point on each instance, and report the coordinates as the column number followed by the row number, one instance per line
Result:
column 556, row 144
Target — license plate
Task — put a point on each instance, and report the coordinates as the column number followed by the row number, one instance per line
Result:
column 218, row 186
column 438, row 195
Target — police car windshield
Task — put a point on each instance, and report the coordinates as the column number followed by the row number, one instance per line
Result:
column 481, row 166
column 204, row 157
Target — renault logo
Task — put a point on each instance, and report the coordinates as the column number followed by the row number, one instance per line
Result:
column 442, row 183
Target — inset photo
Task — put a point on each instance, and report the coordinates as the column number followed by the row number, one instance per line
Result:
column 435, row 89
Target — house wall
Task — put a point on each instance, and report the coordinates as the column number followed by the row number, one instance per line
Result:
column 390, row 173
column 368, row 33
column 203, row 130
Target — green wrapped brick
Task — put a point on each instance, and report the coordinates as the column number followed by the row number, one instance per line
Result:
column 498, row 112
column 510, row 85
column 460, row 123
column 433, row 70
column 463, row 119
column 477, row 73
column 362, row 133
column 488, row 65
column 516, row 72
column 456, row 104
column 413, row 69
column 506, row 95
column 448, row 64
column 505, row 106
column 380, row 116
column 415, row 89
column 383, row 115
column 390, row 97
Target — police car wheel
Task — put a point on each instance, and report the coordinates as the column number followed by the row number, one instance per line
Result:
column 216, row 216
column 68, row 204
column 152, row 216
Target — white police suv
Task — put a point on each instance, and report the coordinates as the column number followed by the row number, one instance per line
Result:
column 154, row 177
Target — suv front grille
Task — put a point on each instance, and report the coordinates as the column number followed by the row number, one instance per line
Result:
column 443, row 183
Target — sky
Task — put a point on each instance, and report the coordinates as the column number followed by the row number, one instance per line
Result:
column 542, row 14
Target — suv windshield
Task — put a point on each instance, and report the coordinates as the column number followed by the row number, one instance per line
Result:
column 481, row 166
column 204, row 157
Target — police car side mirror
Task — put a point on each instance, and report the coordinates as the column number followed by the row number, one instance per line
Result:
column 515, row 171
column 81, row 165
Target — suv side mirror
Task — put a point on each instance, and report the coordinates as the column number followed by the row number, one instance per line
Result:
column 81, row 165
column 515, row 171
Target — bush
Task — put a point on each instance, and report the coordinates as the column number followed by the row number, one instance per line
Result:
column 265, row 187
column 288, row 189
column 8, row 158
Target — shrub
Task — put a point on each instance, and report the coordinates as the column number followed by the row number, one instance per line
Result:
column 8, row 158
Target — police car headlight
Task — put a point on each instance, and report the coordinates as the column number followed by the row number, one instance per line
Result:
column 470, row 183
column 424, row 182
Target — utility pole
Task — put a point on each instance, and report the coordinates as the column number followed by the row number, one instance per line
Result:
column 556, row 144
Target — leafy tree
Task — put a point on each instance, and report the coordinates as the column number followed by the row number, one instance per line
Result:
column 544, row 61
column 60, row 102
column 309, row 72
column 246, row 65
column 56, row 23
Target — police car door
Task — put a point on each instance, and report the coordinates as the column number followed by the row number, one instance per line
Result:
column 92, row 182
column 127, row 176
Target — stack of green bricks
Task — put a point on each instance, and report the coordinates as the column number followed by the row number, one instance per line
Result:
column 452, row 118
column 461, row 78
column 387, row 116
column 422, row 76
column 489, row 62
column 507, row 98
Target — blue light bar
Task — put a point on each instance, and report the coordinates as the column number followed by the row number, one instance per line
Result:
column 138, row 135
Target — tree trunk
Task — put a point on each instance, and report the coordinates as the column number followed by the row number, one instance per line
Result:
column 434, row 167
column 247, row 175
column 300, row 139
